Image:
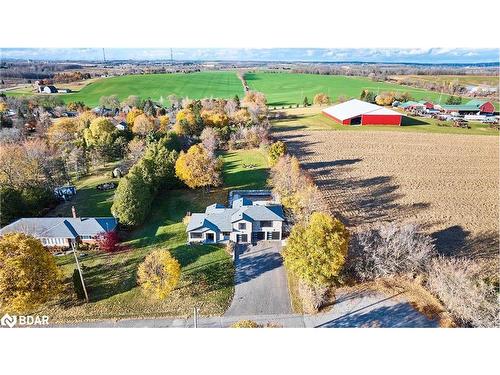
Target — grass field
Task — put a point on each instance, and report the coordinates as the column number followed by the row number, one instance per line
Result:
column 207, row 270
column 290, row 88
column 310, row 118
column 159, row 86
column 281, row 89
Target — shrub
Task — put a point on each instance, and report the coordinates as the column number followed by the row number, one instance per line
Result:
column 159, row 274
column 246, row 324
column 312, row 297
column 276, row 150
column 230, row 246
column 108, row 241
column 390, row 251
column 460, row 285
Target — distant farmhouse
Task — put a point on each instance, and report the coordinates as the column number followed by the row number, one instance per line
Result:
column 62, row 231
column 50, row 89
column 47, row 89
column 244, row 222
column 358, row 112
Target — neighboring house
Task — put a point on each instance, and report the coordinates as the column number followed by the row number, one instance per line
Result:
column 412, row 106
column 122, row 126
column 245, row 221
column 62, row 231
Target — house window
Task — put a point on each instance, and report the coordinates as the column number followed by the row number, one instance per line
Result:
column 242, row 226
column 226, row 234
column 196, row 235
column 266, row 224
column 86, row 237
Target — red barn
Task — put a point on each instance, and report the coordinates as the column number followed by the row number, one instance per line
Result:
column 357, row 112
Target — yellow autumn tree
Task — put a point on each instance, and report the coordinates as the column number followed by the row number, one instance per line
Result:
column 28, row 273
column 132, row 115
column 3, row 107
column 164, row 122
column 321, row 99
column 385, row 98
column 276, row 150
column 316, row 251
column 159, row 274
column 62, row 132
column 214, row 118
column 198, row 168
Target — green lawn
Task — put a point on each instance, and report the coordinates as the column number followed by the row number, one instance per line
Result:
column 283, row 89
column 207, row 270
column 159, row 86
column 311, row 119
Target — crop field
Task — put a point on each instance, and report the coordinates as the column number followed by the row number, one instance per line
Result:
column 462, row 80
column 159, row 86
column 448, row 184
column 283, row 89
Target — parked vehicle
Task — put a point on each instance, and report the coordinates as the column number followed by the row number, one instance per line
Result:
column 490, row 120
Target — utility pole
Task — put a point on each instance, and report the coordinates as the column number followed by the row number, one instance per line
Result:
column 195, row 316
column 80, row 272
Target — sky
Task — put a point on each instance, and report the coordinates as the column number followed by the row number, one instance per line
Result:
column 405, row 55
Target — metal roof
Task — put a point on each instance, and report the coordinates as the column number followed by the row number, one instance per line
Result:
column 61, row 227
column 354, row 107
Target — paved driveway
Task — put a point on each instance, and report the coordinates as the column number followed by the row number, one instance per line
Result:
column 261, row 286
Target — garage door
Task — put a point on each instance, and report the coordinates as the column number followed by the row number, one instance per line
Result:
column 273, row 235
column 258, row 236
column 242, row 238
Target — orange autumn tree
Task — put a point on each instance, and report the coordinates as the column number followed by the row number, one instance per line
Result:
column 198, row 168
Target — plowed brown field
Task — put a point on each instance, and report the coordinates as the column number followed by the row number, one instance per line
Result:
column 446, row 183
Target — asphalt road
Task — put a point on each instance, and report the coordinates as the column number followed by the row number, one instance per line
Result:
column 362, row 309
column 261, row 286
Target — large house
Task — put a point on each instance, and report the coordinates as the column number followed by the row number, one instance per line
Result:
column 244, row 222
column 62, row 231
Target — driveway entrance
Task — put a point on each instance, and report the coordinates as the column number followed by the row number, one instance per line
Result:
column 260, row 281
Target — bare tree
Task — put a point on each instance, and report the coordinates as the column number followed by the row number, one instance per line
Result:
column 390, row 251
column 210, row 140
column 461, row 286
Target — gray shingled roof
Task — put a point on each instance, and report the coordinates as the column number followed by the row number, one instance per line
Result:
column 217, row 217
column 61, row 227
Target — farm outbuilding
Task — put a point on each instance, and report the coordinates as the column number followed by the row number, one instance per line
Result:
column 472, row 107
column 357, row 112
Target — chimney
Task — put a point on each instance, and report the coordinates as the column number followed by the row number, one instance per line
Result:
column 73, row 211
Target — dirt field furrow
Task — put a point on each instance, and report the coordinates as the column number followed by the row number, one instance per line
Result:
column 449, row 184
